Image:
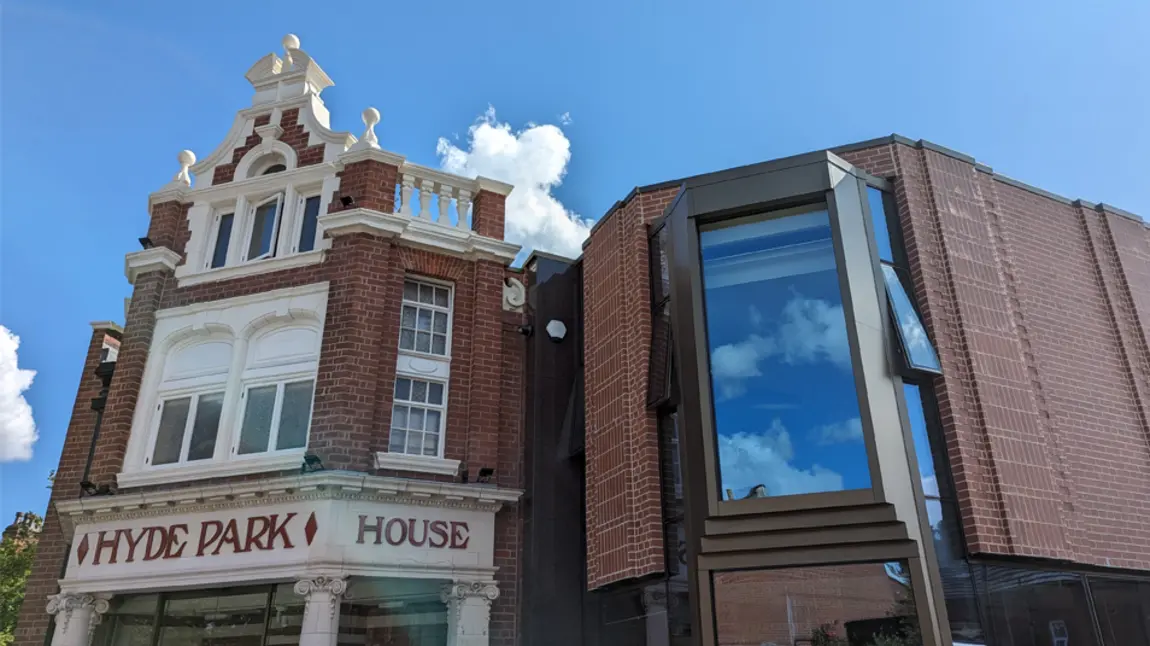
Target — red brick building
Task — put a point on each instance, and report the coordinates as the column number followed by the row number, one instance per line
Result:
column 878, row 394
column 308, row 429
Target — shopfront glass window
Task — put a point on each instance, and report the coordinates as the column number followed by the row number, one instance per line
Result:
column 405, row 612
column 862, row 604
column 1027, row 607
column 1123, row 610
column 130, row 621
column 786, row 409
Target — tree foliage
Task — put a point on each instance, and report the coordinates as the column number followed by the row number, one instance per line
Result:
column 17, row 550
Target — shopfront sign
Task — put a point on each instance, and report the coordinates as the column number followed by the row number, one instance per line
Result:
column 243, row 540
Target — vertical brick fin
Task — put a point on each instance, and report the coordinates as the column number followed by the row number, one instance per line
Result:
column 486, row 367
column 358, row 312
column 487, row 214
column 968, row 447
column 370, row 183
column 1129, row 242
column 32, row 622
column 129, row 376
column 624, row 522
column 169, row 226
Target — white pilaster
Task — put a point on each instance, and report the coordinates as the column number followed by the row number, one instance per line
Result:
column 77, row 616
column 321, row 614
column 468, row 611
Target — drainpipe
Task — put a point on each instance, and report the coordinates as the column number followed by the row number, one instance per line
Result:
column 104, row 372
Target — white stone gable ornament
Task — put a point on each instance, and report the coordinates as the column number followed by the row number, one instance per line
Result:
column 187, row 159
column 368, row 139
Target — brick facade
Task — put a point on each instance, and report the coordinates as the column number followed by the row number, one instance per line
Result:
column 1040, row 308
column 294, row 135
column 624, row 518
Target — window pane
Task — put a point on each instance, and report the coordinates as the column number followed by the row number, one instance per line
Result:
column 786, row 411
column 402, row 388
column 406, row 340
column 438, row 344
column 257, row 426
column 414, row 442
column 410, row 291
column 295, row 415
column 286, row 620
column 423, row 342
column 396, row 442
column 263, row 230
column 426, row 293
column 1030, row 606
column 214, row 618
column 435, row 394
column 206, row 426
column 881, row 226
column 431, row 444
column 415, row 419
column 432, row 422
column 310, row 220
column 418, row 391
column 1123, row 609
column 223, row 237
column 922, row 448
column 130, row 621
column 916, row 345
column 440, row 324
column 407, row 318
column 393, row 612
column 423, row 321
column 399, row 416
column 441, row 297
column 170, row 437
column 842, row 605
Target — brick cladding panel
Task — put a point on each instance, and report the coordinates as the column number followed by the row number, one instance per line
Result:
column 352, row 409
column 32, row 623
column 1040, row 310
column 294, row 135
column 624, row 521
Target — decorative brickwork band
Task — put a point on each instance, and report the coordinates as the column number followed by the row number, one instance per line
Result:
column 77, row 616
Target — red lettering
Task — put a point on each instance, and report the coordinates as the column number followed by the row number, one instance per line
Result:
column 439, row 529
column 205, row 540
column 253, row 536
column 133, row 544
column 156, row 548
column 174, row 540
column 364, row 528
column 101, row 544
column 411, row 533
column 231, row 535
column 459, row 540
column 280, row 531
column 396, row 522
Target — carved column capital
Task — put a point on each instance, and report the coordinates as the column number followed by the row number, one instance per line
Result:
column 316, row 587
column 461, row 591
column 86, row 608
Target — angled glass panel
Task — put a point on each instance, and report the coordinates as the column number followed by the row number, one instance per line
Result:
column 916, row 346
column 881, row 226
column 785, row 406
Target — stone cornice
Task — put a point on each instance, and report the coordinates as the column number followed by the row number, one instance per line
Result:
column 374, row 154
column 419, row 233
column 154, row 259
column 493, row 185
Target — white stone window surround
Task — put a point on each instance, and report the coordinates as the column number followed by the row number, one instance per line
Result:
column 426, row 366
column 246, row 322
column 195, row 366
column 239, row 198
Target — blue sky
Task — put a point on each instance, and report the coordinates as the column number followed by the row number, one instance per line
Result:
column 96, row 105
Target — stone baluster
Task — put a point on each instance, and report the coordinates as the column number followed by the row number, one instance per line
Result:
column 77, row 616
column 468, row 611
column 444, row 205
column 405, row 195
column 426, row 188
column 321, row 614
column 462, row 205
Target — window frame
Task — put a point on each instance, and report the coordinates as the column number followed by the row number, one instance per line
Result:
column 193, row 393
column 253, row 207
column 449, row 310
column 218, row 215
column 441, row 408
column 280, row 381
column 300, row 212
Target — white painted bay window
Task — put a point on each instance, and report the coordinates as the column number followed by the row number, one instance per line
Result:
column 423, row 371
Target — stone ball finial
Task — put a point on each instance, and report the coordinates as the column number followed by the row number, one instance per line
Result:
column 370, row 118
column 186, row 159
column 291, row 41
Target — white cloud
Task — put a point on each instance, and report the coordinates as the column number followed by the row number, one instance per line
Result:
column 746, row 460
column 811, row 331
column 17, row 428
column 838, row 433
column 534, row 160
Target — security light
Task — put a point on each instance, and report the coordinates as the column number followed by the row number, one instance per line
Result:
column 485, row 474
column 556, row 329
column 146, row 243
column 311, row 463
column 346, row 201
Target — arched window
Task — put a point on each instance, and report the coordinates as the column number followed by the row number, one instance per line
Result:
column 273, row 162
column 274, row 168
column 278, row 383
column 186, row 419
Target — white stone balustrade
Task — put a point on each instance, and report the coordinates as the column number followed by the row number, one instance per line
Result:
column 440, row 197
